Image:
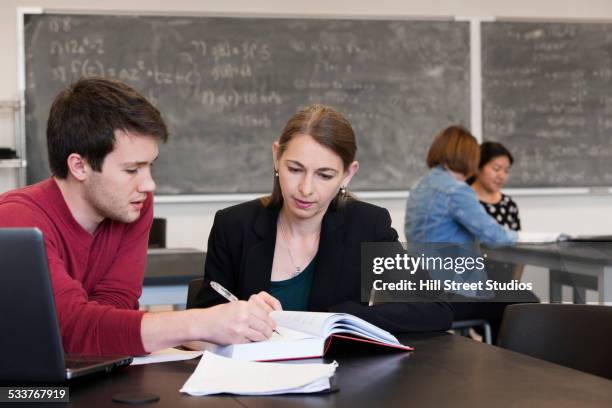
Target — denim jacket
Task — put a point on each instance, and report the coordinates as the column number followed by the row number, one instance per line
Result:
column 443, row 209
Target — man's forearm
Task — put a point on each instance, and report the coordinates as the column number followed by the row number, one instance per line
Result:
column 168, row 329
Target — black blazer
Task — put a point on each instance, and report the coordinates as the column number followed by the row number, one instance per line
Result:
column 241, row 250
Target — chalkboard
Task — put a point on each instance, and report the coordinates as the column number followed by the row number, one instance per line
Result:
column 226, row 87
column 547, row 95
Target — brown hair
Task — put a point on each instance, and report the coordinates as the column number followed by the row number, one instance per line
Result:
column 457, row 149
column 84, row 117
column 329, row 128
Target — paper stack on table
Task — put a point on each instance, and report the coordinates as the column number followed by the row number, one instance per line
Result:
column 216, row 374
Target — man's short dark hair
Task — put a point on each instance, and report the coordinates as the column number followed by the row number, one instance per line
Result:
column 84, row 117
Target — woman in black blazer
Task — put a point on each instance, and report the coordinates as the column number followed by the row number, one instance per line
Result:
column 302, row 244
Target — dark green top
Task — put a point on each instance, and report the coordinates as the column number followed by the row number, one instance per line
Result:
column 294, row 293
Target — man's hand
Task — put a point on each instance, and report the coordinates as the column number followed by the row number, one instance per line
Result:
column 229, row 323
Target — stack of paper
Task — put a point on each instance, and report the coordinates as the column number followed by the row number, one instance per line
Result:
column 216, row 374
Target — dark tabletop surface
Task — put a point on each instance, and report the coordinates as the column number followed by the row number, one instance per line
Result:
column 589, row 252
column 444, row 370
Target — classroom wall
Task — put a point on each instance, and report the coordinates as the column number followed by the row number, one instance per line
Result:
column 189, row 223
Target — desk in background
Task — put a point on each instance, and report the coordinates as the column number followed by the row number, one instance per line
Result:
column 581, row 265
column 168, row 273
column 444, row 371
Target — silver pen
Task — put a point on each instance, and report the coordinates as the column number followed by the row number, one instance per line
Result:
column 223, row 292
column 228, row 295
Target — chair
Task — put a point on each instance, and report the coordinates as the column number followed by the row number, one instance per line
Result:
column 464, row 326
column 192, row 292
column 157, row 236
column 575, row 336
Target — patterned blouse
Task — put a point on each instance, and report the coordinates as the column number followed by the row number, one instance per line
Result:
column 505, row 212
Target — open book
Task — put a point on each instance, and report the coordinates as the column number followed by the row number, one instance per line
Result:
column 308, row 335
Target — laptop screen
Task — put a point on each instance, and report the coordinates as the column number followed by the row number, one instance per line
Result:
column 31, row 345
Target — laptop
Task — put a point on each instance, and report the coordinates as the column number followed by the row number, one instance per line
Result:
column 31, row 345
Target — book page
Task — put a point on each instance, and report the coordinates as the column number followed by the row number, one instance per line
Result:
column 353, row 324
column 324, row 324
column 359, row 332
column 307, row 322
column 286, row 334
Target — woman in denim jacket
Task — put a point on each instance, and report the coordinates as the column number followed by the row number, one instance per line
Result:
column 442, row 208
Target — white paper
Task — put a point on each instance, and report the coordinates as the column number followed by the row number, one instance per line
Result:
column 216, row 374
column 169, row 354
column 307, row 322
column 324, row 324
column 528, row 237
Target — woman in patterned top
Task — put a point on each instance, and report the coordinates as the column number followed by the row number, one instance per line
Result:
column 495, row 163
column 493, row 171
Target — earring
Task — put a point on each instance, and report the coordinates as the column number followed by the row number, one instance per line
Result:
column 275, row 173
column 343, row 191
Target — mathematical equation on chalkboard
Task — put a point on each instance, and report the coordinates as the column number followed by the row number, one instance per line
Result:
column 546, row 95
column 226, row 87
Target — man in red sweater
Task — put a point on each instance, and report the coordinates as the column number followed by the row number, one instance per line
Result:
column 95, row 213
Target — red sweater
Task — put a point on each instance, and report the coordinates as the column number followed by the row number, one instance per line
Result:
column 96, row 279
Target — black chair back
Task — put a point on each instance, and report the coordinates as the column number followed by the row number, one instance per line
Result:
column 193, row 290
column 575, row 336
column 157, row 236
